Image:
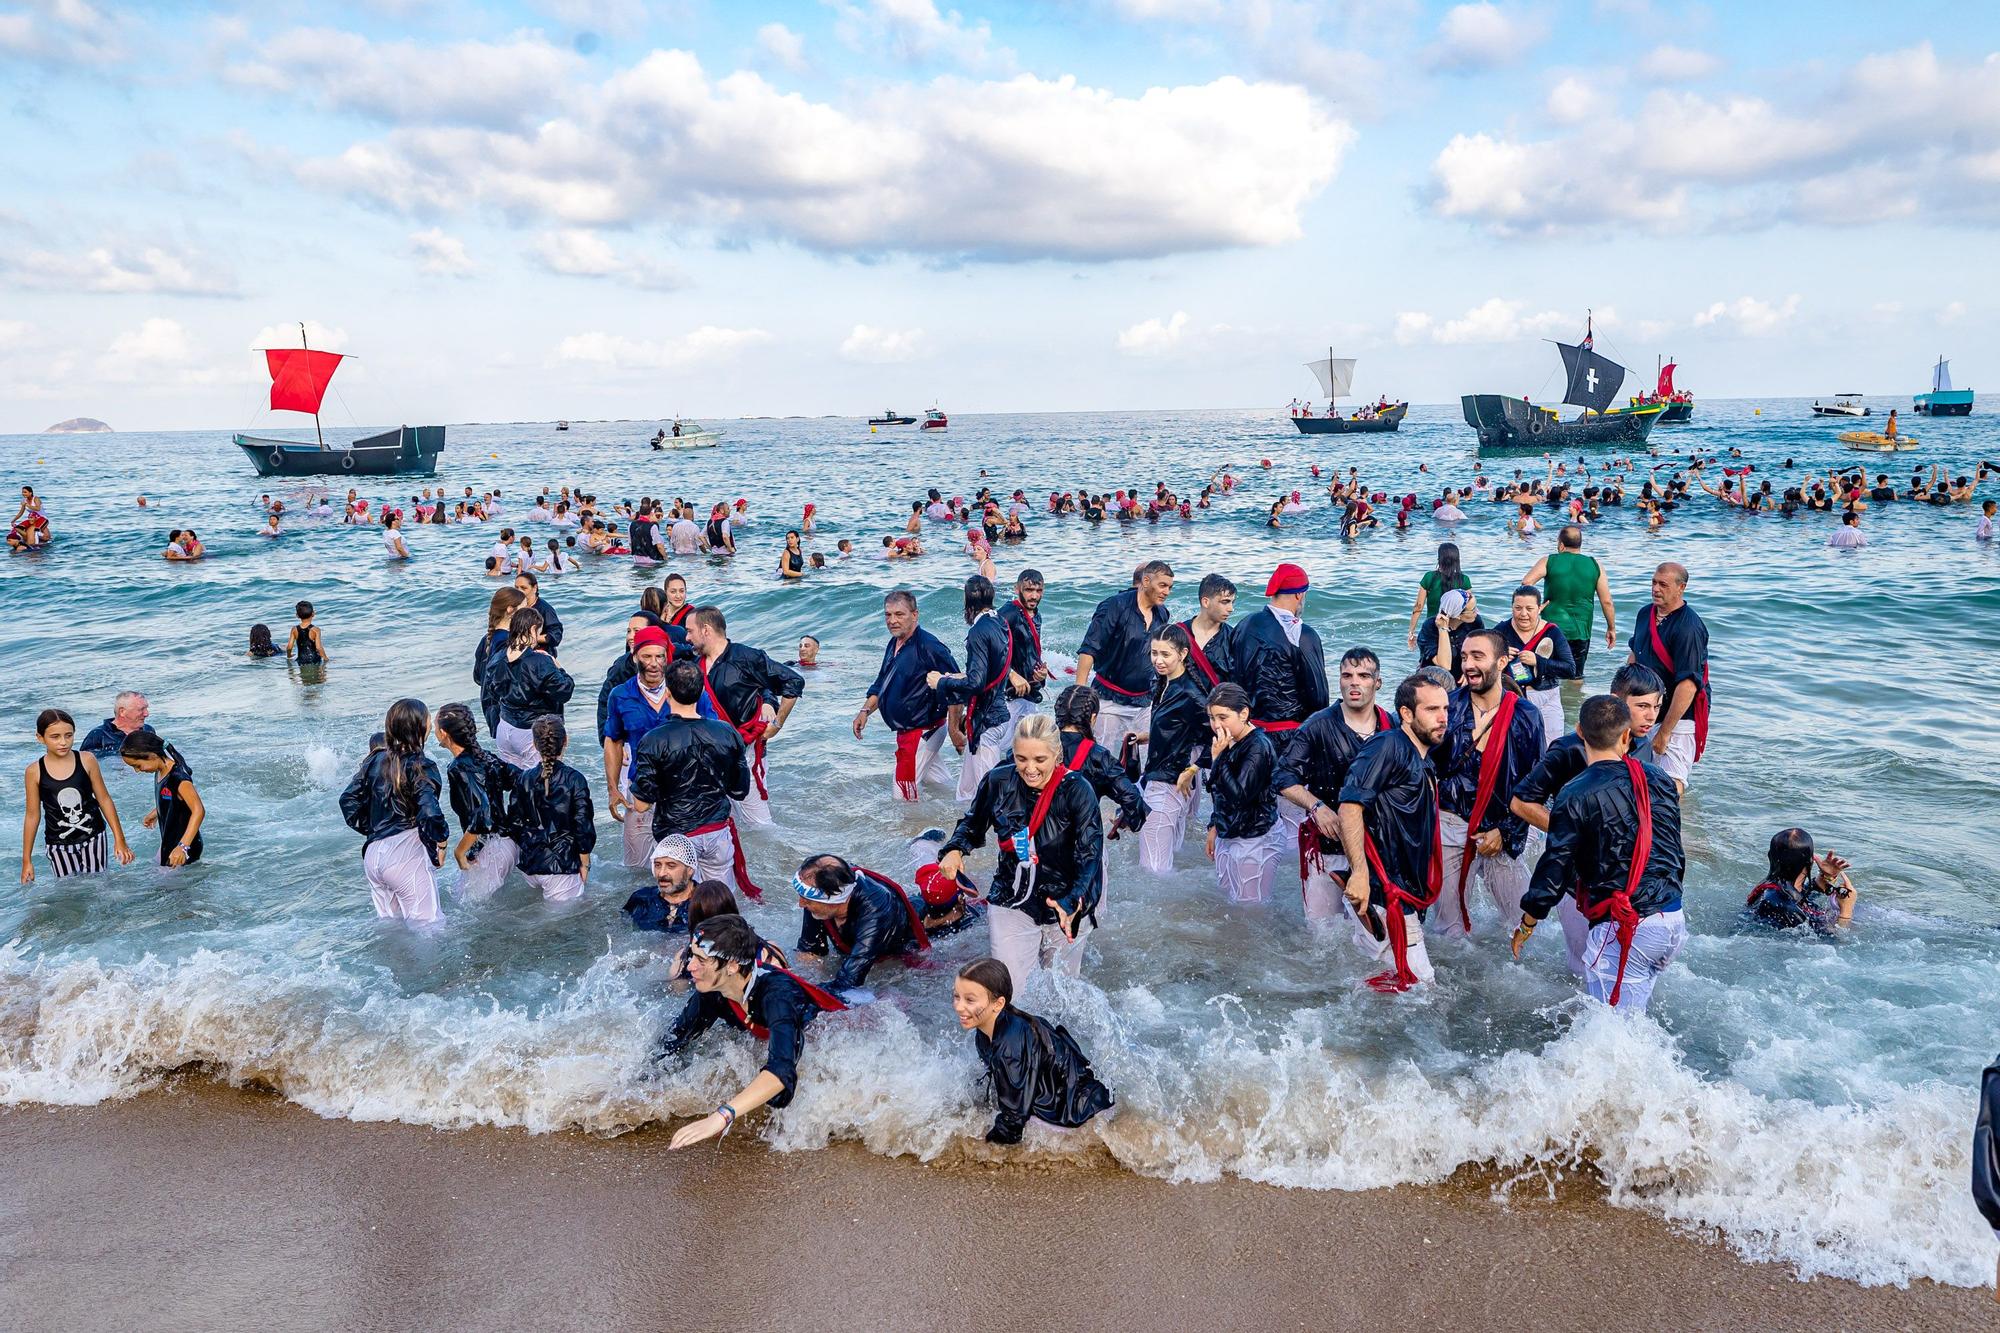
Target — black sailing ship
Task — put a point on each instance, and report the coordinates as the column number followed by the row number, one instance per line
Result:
column 1516, row 425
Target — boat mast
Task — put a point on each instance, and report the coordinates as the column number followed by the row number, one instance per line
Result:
column 316, row 430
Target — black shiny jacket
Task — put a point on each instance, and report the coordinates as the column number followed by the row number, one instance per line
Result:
column 1179, row 735
column 1593, row 828
column 688, row 770
column 482, row 792
column 1068, row 846
column 877, row 927
column 556, row 824
column 372, row 809
column 1286, row 684
column 1025, row 632
column 492, row 644
column 982, row 688
column 1243, row 800
column 1106, row 775
column 1317, row 755
column 775, row 1003
column 528, row 687
column 1038, row 1072
column 1457, row 762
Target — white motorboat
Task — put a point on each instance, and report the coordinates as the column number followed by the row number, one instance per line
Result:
column 1843, row 405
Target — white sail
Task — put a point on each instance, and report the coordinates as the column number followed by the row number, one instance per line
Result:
column 1941, row 377
column 1336, row 375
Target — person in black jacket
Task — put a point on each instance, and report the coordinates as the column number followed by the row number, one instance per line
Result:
column 1389, row 816
column 982, row 688
column 1986, row 1155
column 687, row 772
column 1244, row 838
column 736, row 982
column 1282, row 667
column 499, row 612
column 857, row 914
column 482, row 791
column 1023, row 619
column 393, row 803
column 1312, row 768
column 1115, row 655
column 1177, row 738
column 1492, row 740
column 1037, row 1070
column 554, row 818
column 1597, row 825
column 530, row 589
column 1110, row 775
column 528, row 685
column 1789, row 894
column 749, row 690
column 1050, row 835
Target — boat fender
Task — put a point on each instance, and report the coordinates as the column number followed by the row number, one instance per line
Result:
column 347, row 460
column 1536, row 425
column 277, row 458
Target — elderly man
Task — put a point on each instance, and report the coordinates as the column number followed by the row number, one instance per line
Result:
column 128, row 714
column 663, row 905
column 1672, row 640
column 632, row 709
column 902, row 693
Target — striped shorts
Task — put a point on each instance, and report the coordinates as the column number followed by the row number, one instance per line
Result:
column 78, row 858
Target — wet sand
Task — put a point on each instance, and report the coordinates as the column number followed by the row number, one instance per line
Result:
column 205, row 1208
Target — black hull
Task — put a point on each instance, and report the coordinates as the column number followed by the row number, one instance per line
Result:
column 411, row 451
column 1945, row 409
column 1386, row 421
column 1511, row 425
column 892, row 421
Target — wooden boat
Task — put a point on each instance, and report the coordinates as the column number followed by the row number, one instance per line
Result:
column 1874, row 442
column 1943, row 400
column 1336, row 380
column 299, row 379
column 1678, row 403
column 1843, row 405
column 1515, row 425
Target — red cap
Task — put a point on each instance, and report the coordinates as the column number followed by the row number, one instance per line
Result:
column 651, row 634
column 1265, row 461
column 938, row 889
column 742, row 503
column 1286, row 579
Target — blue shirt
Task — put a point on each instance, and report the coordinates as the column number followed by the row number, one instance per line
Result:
column 628, row 717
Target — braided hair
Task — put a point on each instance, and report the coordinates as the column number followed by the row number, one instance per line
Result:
column 455, row 721
column 550, row 736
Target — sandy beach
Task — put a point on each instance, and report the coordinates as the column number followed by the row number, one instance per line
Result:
column 204, row 1208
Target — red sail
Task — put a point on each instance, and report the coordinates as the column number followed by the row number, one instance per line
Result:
column 1666, row 388
column 299, row 377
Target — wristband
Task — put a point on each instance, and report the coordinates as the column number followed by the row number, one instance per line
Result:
column 728, row 1114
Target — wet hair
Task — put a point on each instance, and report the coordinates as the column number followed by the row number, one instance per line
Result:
column 403, row 732
column 1406, row 691
column 1213, row 585
column 1356, row 656
column 304, row 610
column 1076, row 707
column 1152, row 567
column 711, row 619
column 1636, row 678
column 824, row 870
column 1176, row 638
column 455, row 721
column 260, row 641
column 990, row 975
column 710, row 899
column 550, row 736
column 731, row 937
column 1230, row 695
column 1448, row 567
column 524, row 619
column 500, row 610
column 683, row 680
column 1028, row 578
column 48, row 717
column 978, row 596
column 1791, row 854
column 1601, row 719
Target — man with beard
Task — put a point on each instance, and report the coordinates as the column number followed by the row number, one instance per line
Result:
column 903, row 696
column 632, row 709
column 1492, row 741
column 1312, row 768
column 688, row 771
column 663, row 905
column 744, row 687
column 1281, row 665
column 1389, row 812
column 1022, row 618
column 1116, row 658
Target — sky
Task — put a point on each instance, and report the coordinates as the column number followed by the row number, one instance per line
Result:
column 614, row 208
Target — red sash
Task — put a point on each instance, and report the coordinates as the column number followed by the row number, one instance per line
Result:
column 916, row 917
column 1394, row 900
column 1274, row 726
column 1495, row 754
column 677, row 617
column 752, row 732
column 1313, row 845
column 736, row 855
column 1028, row 619
column 1200, row 658
column 1098, row 679
column 1540, row 634
column 1700, row 709
column 1006, row 665
column 907, row 743
column 827, row 1001
column 1618, row 907
column 1042, row 802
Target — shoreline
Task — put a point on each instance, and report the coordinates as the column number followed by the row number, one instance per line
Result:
column 201, row 1206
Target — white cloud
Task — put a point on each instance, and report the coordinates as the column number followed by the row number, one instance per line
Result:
column 162, row 354
column 914, row 30
column 703, row 346
column 782, row 46
column 61, row 32
column 1484, row 36
column 157, row 342
column 15, row 334
column 874, row 346
column 1496, row 320
column 578, row 252
column 1154, row 337
column 1668, row 63
column 1952, row 313
column 1749, row 316
column 287, row 335
column 441, row 254
column 1014, row 169
column 1574, row 100
column 619, row 16
column 496, row 84
column 1169, row 11
column 1412, row 326
column 117, row 268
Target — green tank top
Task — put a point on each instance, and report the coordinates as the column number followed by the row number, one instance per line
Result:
column 1571, row 585
column 1434, row 590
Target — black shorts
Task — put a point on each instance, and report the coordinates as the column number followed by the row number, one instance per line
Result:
column 1580, row 650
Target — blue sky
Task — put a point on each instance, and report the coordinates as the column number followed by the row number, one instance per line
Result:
column 594, row 208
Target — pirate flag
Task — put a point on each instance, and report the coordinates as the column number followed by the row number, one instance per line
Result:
column 1593, row 380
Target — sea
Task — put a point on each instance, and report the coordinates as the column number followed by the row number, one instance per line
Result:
column 1808, row 1101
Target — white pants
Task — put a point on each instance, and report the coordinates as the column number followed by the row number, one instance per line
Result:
column 1504, row 877
column 1018, row 709
column 1324, row 902
column 1658, row 938
column 638, row 830
column 1015, row 939
column 557, row 888
column 1380, row 951
column 982, row 752
column 400, row 878
column 497, row 855
column 1576, row 933
column 716, row 851
column 1116, row 721
column 752, row 809
column 1247, row 868
column 1286, row 830
column 1167, row 813
column 1549, row 703
column 928, row 751
column 1678, row 762
column 516, row 745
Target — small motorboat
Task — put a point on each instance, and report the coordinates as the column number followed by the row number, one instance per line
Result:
column 1875, row 442
column 935, row 420
column 890, row 417
column 562, row 425
column 686, row 435
column 1843, row 405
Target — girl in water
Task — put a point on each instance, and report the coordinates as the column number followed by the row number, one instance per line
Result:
column 482, row 789
column 392, row 536
column 392, row 803
column 260, row 642
column 67, row 783
column 177, row 811
column 1177, row 737
column 1244, row 806
column 527, row 684
column 1037, row 1069
column 791, row 560
column 554, row 818
column 30, row 528
column 499, row 610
